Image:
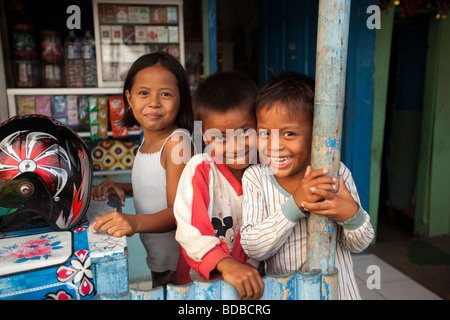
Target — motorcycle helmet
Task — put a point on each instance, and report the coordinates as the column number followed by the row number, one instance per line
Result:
column 45, row 173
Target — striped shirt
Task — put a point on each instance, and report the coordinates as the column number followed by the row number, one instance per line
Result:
column 270, row 234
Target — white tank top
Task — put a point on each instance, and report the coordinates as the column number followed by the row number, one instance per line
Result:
column 148, row 179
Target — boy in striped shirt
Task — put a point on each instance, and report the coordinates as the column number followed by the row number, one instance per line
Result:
column 208, row 205
column 280, row 192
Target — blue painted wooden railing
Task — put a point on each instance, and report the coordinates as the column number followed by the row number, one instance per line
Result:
column 293, row 286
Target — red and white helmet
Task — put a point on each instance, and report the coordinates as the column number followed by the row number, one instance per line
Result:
column 45, row 172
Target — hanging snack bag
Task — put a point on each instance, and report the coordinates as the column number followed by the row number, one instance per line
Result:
column 83, row 113
column 102, row 117
column 59, row 109
column 116, row 112
column 44, row 105
column 26, row 105
column 72, row 111
column 93, row 117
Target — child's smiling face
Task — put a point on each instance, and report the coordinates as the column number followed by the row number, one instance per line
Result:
column 154, row 98
column 288, row 155
column 232, row 136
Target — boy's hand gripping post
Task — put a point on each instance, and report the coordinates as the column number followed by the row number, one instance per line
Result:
column 331, row 65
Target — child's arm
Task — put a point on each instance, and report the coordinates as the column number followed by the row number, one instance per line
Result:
column 345, row 208
column 119, row 224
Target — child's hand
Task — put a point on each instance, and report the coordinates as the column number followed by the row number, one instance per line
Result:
column 244, row 278
column 315, row 179
column 116, row 223
column 107, row 187
column 338, row 206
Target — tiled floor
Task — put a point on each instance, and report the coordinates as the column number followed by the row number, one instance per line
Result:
column 393, row 285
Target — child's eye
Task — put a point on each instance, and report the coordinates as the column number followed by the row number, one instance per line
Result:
column 219, row 137
column 263, row 134
column 245, row 132
column 165, row 94
column 143, row 93
column 289, row 134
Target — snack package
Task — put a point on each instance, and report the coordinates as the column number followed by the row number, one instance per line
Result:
column 122, row 14
column 26, row 105
column 173, row 34
column 102, row 117
column 93, row 117
column 163, row 34
column 44, row 105
column 83, row 113
column 116, row 113
column 59, row 109
column 72, row 111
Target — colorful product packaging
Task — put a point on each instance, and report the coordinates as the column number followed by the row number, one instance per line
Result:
column 163, row 34
column 83, row 113
column 116, row 113
column 152, row 34
column 172, row 15
column 105, row 33
column 122, row 14
column 102, row 117
column 72, row 111
column 173, row 34
column 117, row 34
column 93, row 117
column 26, row 105
column 140, row 34
column 44, row 105
column 128, row 34
column 59, row 109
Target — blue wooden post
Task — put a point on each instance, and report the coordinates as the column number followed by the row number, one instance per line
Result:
column 209, row 37
column 331, row 66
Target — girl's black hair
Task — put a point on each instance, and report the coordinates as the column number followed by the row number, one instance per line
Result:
column 185, row 116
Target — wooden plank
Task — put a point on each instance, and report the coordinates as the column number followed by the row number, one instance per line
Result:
column 381, row 79
column 440, row 170
column 422, row 208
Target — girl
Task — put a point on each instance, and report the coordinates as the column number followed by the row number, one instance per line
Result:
column 157, row 97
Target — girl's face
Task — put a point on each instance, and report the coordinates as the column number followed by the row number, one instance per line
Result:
column 284, row 141
column 154, row 98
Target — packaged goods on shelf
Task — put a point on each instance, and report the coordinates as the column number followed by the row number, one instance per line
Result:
column 59, row 109
column 83, row 113
column 72, row 111
column 102, row 117
column 93, row 117
column 26, row 105
column 122, row 14
column 116, row 113
column 44, row 105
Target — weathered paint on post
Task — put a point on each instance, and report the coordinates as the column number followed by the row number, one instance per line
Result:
column 331, row 66
column 209, row 37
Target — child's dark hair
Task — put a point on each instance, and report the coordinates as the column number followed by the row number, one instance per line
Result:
column 292, row 89
column 224, row 91
column 185, row 116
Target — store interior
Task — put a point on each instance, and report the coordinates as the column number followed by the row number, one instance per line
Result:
column 51, row 61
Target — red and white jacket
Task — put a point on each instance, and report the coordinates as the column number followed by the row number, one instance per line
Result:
column 208, row 211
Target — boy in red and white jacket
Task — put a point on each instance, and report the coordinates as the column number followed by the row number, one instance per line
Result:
column 208, row 205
